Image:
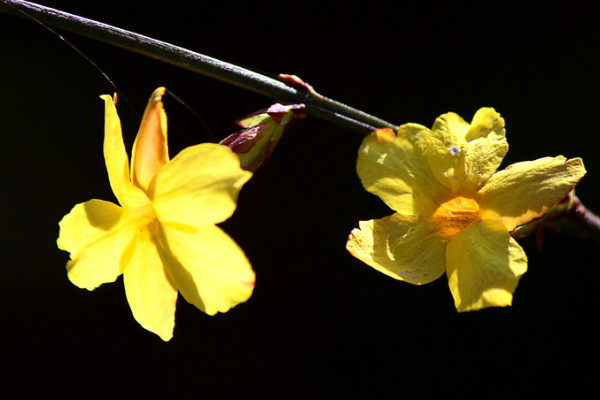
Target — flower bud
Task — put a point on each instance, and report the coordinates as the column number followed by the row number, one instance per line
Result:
column 263, row 129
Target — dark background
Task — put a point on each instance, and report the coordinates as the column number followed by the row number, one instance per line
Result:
column 320, row 323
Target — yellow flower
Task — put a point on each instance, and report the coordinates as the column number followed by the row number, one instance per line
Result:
column 163, row 237
column 454, row 212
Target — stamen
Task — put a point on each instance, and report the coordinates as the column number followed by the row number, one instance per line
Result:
column 454, row 216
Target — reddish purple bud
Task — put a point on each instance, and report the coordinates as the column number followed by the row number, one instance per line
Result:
column 278, row 111
column 263, row 130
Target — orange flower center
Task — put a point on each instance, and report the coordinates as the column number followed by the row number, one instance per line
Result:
column 454, row 216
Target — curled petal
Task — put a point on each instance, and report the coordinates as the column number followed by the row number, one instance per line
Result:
column 150, row 295
column 100, row 241
column 526, row 190
column 207, row 267
column 393, row 167
column 150, row 149
column 198, row 187
column 484, row 265
column 399, row 247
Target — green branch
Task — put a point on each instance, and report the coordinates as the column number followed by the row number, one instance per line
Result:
column 316, row 105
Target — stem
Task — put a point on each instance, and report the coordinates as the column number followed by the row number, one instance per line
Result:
column 569, row 216
column 316, row 105
column 576, row 220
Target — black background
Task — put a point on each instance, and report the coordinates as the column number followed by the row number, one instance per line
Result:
column 320, row 323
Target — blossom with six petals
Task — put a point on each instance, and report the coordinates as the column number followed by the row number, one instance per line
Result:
column 454, row 212
column 162, row 237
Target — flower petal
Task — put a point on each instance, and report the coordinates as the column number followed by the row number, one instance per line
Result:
column 115, row 155
column 150, row 295
column 463, row 156
column 443, row 150
column 486, row 121
column 150, row 149
column 400, row 247
column 484, row 264
column 199, row 186
column 116, row 158
column 526, row 190
column 394, row 168
column 207, row 267
column 99, row 238
column 484, row 149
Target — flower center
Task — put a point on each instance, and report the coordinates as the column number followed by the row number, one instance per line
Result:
column 454, row 216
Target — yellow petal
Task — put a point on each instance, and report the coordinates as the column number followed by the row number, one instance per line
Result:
column 199, row 186
column 484, row 265
column 484, row 149
column 394, row 168
column 150, row 150
column 526, row 190
column 99, row 238
column 485, row 121
column 150, row 295
column 207, row 267
column 87, row 222
column 481, row 159
column 443, row 149
column 115, row 155
column 463, row 156
column 401, row 247
column 116, row 158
